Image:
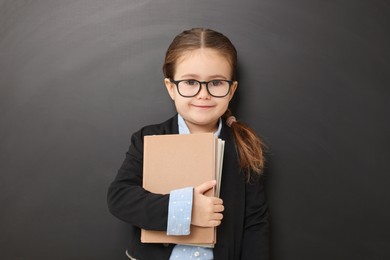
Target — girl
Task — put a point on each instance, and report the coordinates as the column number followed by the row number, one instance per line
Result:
column 200, row 76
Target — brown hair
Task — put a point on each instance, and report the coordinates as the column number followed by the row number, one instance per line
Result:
column 249, row 146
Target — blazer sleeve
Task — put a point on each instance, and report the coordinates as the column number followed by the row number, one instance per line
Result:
column 255, row 244
column 126, row 198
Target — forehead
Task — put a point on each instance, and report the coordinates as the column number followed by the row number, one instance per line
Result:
column 203, row 62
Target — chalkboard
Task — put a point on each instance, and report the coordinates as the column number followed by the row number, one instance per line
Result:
column 78, row 77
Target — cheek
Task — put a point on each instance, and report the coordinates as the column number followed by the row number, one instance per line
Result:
column 225, row 102
column 179, row 102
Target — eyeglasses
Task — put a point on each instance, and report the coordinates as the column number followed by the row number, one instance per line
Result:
column 190, row 87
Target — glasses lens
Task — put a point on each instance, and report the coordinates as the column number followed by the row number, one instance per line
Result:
column 188, row 88
column 219, row 88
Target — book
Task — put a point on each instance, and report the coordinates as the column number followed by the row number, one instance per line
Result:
column 178, row 161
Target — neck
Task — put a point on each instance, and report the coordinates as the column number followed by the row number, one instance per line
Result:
column 197, row 129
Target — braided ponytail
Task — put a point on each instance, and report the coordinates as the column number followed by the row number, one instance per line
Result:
column 249, row 145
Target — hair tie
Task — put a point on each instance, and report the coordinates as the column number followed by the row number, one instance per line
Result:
column 230, row 120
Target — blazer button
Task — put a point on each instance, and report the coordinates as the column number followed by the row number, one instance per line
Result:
column 166, row 244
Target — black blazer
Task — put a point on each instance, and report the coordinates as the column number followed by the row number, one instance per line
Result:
column 244, row 231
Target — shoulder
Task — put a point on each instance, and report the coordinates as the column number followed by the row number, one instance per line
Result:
column 226, row 133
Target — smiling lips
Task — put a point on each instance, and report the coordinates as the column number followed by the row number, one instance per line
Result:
column 202, row 106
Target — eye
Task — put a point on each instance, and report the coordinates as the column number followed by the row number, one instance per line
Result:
column 191, row 82
column 217, row 83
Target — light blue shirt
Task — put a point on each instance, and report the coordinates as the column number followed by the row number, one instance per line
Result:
column 179, row 214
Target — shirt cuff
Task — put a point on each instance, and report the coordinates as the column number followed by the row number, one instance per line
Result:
column 179, row 212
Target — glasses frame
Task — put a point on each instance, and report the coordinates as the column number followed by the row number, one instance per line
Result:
column 176, row 82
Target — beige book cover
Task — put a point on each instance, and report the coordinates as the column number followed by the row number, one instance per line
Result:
column 178, row 161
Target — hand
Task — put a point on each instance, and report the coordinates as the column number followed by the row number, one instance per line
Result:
column 206, row 211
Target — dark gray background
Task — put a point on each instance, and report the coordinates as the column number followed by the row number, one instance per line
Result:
column 78, row 77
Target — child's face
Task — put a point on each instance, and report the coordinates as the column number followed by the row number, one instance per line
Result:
column 202, row 111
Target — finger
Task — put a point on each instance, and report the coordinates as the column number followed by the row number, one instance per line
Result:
column 219, row 208
column 205, row 186
column 217, row 216
column 217, row 201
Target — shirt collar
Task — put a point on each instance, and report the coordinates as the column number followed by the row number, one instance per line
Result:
column 183, row 128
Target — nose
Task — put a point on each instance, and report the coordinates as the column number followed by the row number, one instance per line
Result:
column 203, row 93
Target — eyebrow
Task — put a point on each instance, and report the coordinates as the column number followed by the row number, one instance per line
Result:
column 194, row 76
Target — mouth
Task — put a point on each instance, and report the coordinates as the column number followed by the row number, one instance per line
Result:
column 203, row 106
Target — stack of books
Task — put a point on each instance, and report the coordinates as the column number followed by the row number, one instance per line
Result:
column 178, row 161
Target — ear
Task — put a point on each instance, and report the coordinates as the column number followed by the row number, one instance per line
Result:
column 233, row 89
column 170, row 87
